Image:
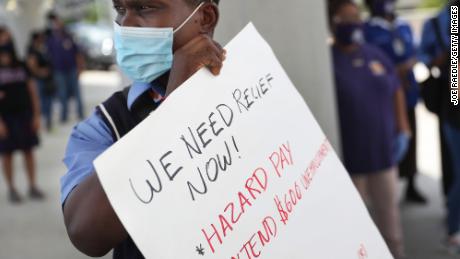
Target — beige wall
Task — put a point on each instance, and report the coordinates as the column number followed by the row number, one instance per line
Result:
column 297, row 31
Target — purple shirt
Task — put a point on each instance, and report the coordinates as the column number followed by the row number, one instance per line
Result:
column 63, row 52
column 366, row 83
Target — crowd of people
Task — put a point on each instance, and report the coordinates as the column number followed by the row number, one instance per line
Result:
column 377, row 94
column 28, row 88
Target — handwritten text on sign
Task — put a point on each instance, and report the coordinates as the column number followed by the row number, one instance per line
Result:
column 236, row 166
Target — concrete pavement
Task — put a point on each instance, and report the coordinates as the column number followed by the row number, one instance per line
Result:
column 36, row 230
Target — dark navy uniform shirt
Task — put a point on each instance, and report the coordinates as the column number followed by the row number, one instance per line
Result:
column 89, row 139
column 366, row 84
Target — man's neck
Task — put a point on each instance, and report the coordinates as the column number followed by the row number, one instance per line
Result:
column 389, row 18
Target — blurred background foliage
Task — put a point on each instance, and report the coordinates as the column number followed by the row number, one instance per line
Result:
column 432, row 3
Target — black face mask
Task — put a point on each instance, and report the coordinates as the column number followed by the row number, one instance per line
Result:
column 348, row 33
column 383, row 8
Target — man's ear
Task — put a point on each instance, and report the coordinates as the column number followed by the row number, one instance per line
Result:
column 209, row 18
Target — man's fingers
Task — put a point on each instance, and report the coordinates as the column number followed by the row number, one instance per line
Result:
column 208, row 53
column 222, row 51
column 218, row 58
column 215, row 47
column 214, row 64
column 213, row 56
column 209, row 43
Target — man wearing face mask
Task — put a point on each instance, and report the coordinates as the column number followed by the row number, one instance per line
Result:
column 6, row 41
column 394, row 37
column 372, row 112
column 67, row 63
column 160, row 44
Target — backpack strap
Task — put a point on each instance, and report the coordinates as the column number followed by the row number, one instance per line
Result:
column 116, row 115
column 119, row 118
column 437, row 31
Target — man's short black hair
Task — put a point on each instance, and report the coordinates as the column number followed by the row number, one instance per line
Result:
column 370, row 5
column 334, row 7
column 197, row 2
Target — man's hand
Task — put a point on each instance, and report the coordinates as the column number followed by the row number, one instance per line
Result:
column 200, row 52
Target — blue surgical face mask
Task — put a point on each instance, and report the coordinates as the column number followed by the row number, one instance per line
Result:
column 144, row 54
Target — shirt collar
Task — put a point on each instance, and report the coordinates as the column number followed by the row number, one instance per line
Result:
column 385, row 24
column 138, row 88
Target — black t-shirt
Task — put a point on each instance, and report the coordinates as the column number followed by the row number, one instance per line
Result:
column 42, row 61
column 14, row 94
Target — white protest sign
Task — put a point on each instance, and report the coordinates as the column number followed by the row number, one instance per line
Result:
column 235, row 166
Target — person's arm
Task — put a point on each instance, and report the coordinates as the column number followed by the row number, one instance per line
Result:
column 32, row 65
column 399, row 96
column 427, row 50
column 91, row 223
column 79, row 57
column 404, row 69
column 32, row 89
column 401, row 144
column 427, row 44
column 81, row 64
column 402, row 120
column 200, row 52
column 3, row 129
column 440, row 60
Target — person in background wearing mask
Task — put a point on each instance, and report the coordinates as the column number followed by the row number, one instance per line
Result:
column 19, row 121
column 434, row 52
column 394, row 37
column 160, row 44
column 67, row 63
column 372, row 113
column 40, row 69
